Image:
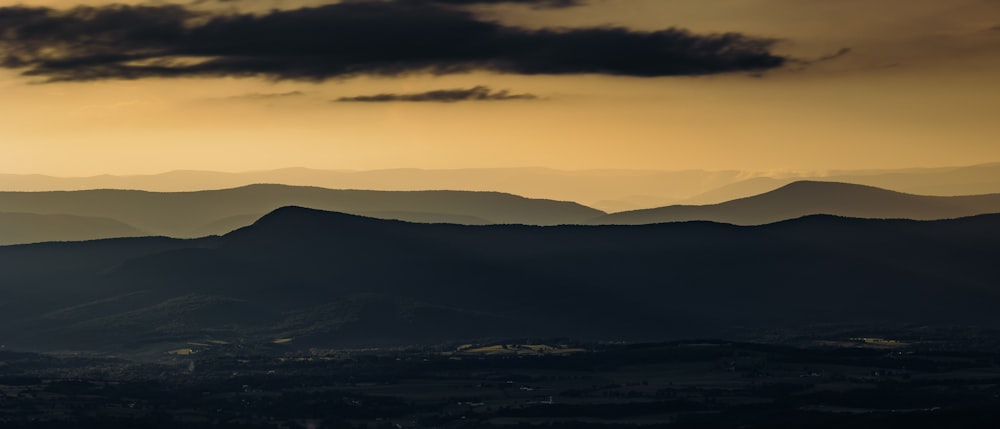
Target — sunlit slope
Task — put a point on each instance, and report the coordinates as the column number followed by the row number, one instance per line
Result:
column 191, row 214
column 19, row 228
column 329, row 279
column 806, row 198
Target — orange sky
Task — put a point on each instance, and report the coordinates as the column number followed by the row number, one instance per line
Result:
column 918, row 88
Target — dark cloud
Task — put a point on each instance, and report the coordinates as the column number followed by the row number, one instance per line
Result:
column 541, row 4
column 544, row 4
column 477, row 93
column 267, row 96
column 841, row 52
column 346, row 39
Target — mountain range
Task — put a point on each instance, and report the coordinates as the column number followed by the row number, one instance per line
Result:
column 321, row 279
column 201, row 213
column 607, row 190
column 27, row 217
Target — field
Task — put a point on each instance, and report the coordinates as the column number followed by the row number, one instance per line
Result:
column 859, row 382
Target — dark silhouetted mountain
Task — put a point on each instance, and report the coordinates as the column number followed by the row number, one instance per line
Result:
column 333, row 279
column 192, row 214
column 19, row 228
column 807, row 198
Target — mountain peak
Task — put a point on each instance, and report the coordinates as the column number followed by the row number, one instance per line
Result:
column 820, row 186
column 292, row 215
column 809, row 197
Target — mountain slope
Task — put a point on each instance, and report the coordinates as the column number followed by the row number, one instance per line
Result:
column 969, row 180
column 19, row 228
column 332, row 279
column 189, row 214
column 734, row 191
column 806, row 198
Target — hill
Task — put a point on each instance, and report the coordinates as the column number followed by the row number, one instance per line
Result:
column 950, row 181
column 807, row 197
column 331, row 279
column 191, row 214
column 20, row 228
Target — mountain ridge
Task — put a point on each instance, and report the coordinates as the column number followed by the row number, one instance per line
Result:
column 179, row 214
column 23, row 228
column 332, row 279
column 604, row 189
column 801, row 198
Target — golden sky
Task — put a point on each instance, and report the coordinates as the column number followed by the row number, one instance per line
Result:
column 862, row 84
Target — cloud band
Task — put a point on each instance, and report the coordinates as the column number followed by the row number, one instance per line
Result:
column 347, row 39
column 477, row 93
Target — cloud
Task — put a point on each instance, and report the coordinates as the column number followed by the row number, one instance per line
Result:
column 346, row 39
column 267, row 96
column 841, row 52
column 477, row 93
column 543, row 4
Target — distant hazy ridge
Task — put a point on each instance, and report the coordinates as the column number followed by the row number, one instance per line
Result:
column 608, row 190
column 806, row 198
column 27, row 217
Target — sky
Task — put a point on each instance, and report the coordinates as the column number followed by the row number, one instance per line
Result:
column 142, row 87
